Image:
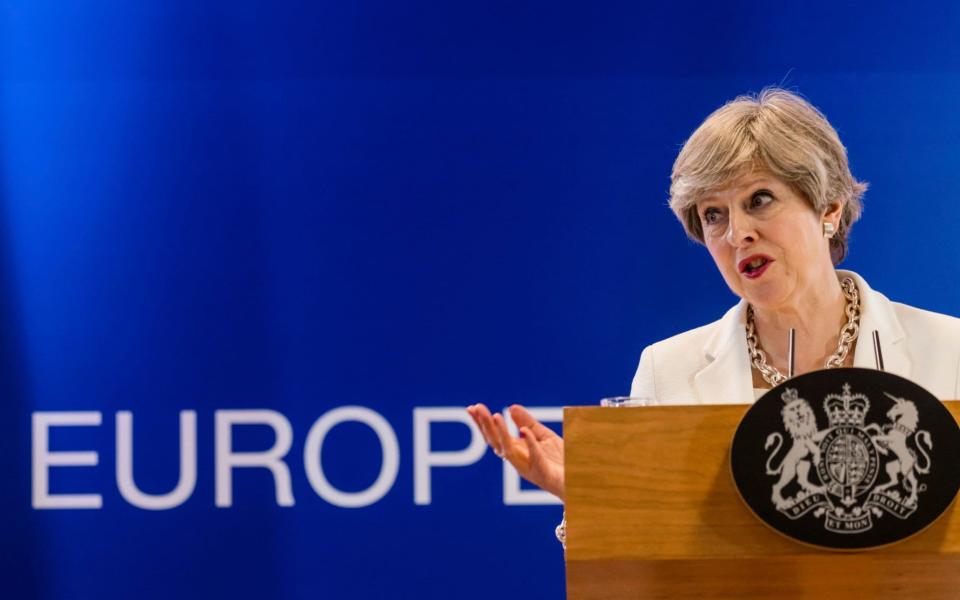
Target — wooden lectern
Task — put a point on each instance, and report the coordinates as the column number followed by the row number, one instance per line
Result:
column 652, row 512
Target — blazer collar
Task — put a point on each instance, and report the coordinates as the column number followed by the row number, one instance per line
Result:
column 727, row 376
column 877, row 314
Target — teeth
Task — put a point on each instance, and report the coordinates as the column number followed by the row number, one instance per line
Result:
column 756, row 263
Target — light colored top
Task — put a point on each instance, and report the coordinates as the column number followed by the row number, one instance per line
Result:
column 710, row 364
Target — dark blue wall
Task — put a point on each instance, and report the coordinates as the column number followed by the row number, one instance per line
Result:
column 300, row 206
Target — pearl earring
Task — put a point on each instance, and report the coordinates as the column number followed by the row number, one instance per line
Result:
column 828, row 229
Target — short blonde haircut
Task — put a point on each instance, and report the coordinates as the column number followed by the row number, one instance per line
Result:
column 775, row 131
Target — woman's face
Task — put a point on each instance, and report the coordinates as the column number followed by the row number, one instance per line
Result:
column 766, row 240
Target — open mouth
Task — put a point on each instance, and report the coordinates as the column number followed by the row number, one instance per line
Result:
column 754, row 266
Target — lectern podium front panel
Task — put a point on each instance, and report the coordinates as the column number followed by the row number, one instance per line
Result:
column 652, row 512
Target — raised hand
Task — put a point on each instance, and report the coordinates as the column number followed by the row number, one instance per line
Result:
column 537, row 454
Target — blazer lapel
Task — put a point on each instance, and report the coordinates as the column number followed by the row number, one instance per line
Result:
column 726, row 379
column 877, row 314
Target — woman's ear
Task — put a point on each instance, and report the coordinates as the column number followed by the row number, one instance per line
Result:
column 833, row 213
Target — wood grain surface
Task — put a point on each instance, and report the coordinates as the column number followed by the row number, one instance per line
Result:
column 652, row 512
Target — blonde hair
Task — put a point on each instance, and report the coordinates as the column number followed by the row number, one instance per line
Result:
column 775, row 131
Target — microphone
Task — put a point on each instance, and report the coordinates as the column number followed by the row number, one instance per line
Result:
column 877, row 354
column 791, row 352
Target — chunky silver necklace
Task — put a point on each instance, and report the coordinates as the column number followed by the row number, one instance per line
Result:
column 848, row 334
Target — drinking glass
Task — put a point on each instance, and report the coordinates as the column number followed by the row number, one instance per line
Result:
column 624, row 402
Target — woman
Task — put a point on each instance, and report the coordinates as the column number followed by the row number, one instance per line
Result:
column 765, row 185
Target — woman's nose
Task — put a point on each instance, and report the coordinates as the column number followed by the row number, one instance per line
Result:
column 740, row 230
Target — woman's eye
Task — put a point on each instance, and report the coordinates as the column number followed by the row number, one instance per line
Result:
column 711, row 216
column 760, row 199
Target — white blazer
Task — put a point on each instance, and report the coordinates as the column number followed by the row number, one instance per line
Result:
column 710, row 364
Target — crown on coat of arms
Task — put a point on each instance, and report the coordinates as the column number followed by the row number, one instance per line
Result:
column 847, row 409
column 789, row 395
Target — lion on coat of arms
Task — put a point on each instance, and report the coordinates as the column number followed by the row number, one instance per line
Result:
column 801, row 423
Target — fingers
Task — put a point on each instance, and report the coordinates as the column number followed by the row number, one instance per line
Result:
column 481, row 416
column 532, row 446
column 495, row 432
column 523, row 418
column 504, row 441
column 512, row 449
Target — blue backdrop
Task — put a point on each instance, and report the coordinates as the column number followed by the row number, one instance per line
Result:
column 262, row 212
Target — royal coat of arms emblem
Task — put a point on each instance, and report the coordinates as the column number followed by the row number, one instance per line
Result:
column 850, row 461
column 846, row 457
